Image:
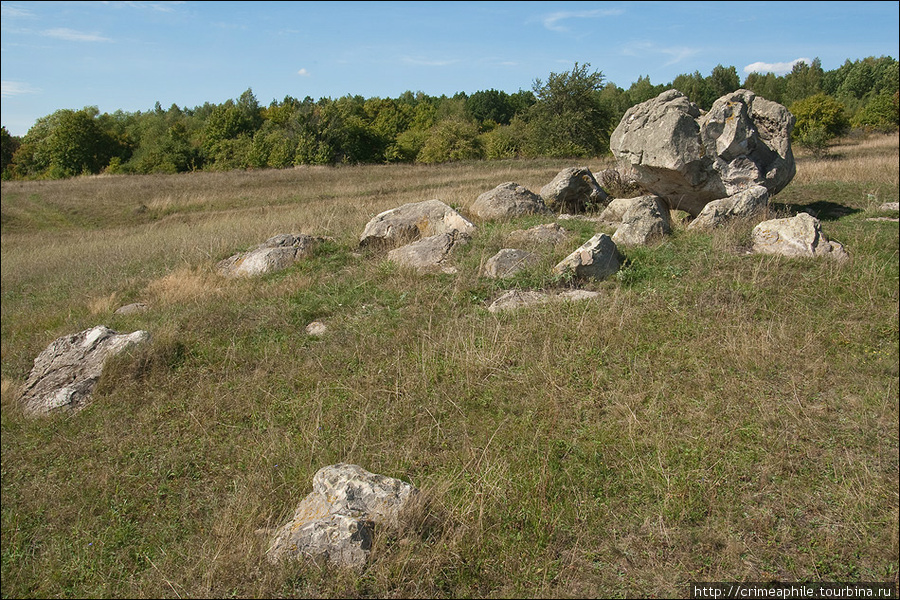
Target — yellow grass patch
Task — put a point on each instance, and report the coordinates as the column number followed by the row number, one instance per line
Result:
column 183, row 285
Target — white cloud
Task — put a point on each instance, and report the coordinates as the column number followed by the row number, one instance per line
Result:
column 71, row 35
column 157, row 6
column 303, row 73
column 16, row 88
column 553, row 20
column 781, row 68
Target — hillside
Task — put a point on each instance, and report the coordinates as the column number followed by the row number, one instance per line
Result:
column 714, row 416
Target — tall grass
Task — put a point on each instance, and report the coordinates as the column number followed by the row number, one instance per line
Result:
column 713, row 416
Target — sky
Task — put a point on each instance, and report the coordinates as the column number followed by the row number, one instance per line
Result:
column 130, row 55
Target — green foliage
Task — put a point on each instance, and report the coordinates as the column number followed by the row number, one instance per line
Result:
column 65, row 144
column 881, row 113
column 8, row 146
column 451, row 140
column 819, row 119
column 568, row 118
column 572, row 114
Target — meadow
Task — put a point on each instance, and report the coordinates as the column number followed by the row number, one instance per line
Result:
column 715, row 415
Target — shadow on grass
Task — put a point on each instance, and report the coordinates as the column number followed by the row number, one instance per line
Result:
column 822, row 210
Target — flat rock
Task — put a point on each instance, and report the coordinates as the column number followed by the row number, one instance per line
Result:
column 276, row 253
column 797, row 236
column 516, row 299
column 411, row 222
column 66, row 372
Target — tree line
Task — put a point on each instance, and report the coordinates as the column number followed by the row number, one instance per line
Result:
column 571, row 114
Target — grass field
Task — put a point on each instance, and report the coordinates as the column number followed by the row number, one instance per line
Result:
column 714, row 416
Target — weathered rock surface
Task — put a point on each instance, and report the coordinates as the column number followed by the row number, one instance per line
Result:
column 132, row 309
column 548, row 233
column 797, row 236
column 508, row 201
column 428, row 254
column 598, row 258
column 743, row 205
column 515, row 299
column 411, row 222
column 317, row 328
column 276, row 253
column 573, row 190
column 336, row 521
column 509, row 261
column 689, row 159
column 645, row 220
column 65, row 373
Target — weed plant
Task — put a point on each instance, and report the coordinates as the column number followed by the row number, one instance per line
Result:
column 715, row 415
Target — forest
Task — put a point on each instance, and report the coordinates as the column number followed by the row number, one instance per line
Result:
column 570, row 114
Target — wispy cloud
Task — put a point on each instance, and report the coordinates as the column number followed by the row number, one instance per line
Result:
column 10, row 12
column 779, row 68
column 675, row 54
column 303, row 73
column 16, row 88
column 63, row 33
column 554, row 21
column 157, row 6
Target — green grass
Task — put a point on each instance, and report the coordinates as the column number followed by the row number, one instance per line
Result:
column 714, row 415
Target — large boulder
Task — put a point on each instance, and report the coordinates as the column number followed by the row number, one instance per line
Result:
column 507, row 201
column 670, row 148
column 574, row 190
column 797, row 236
column 597, row 258
column 743, row 205
column 336, row 520
column 413, row 221
column 646, row 219
column 66, row 372
column 276, row 253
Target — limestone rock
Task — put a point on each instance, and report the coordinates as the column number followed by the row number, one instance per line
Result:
column 508, row 201
column 132, row 309
column 548, row 233
column 598, row 258
column 797, row 236
column 515, row 299
column 428, row 254
column 316, row 328
column 276, row 253
column 65, row 373
column 616, row 209
column 742, row 205
column 411, row 222
column 690, row 159
column 573, row 190
column 336, row 520
column 646, row 219
column 509, row 261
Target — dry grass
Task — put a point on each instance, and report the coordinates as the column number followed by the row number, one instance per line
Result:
column 715, row 416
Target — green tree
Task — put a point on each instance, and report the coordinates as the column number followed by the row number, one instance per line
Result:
column 696, row 88
column 568, row 118
column 8, row 146
column 819, row 119
column 803, row 81
column 451, row 140
column 880, row 113
column 723, row 80
column 65, row 144
column 768, row 86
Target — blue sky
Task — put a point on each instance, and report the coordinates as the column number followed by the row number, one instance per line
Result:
column 129, row 55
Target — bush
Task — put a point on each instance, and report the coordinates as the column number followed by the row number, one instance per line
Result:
column 819, row 119
column 881, row 113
